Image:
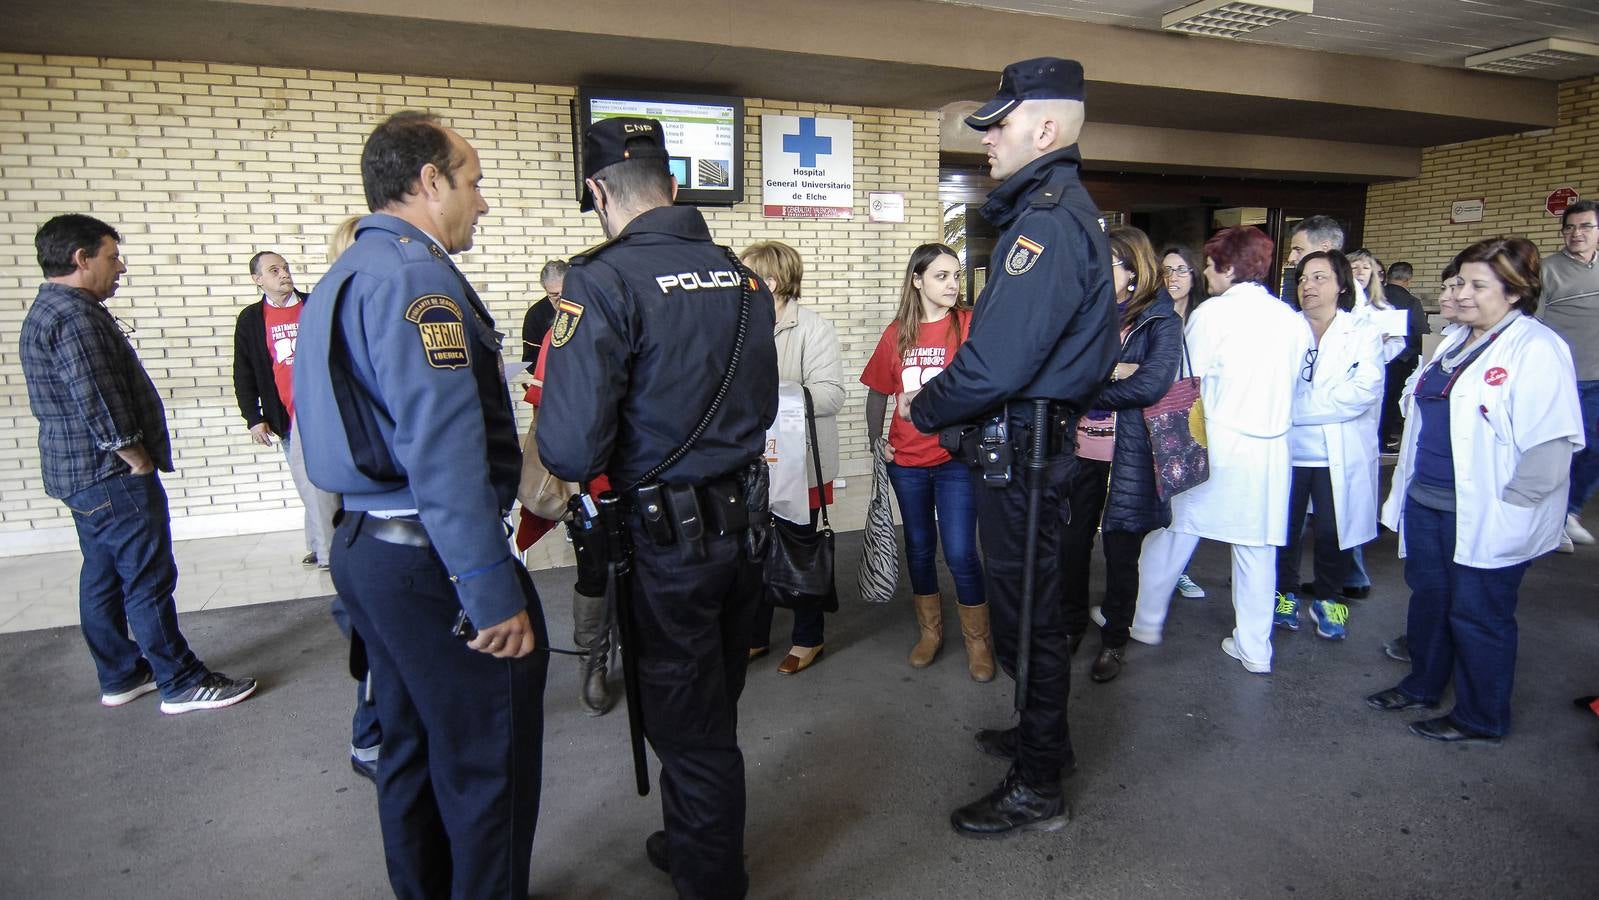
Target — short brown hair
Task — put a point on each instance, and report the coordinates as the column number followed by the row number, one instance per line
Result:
column 779, row 266
column 1515, row 262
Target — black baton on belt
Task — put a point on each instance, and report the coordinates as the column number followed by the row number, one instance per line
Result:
column 1033, row 479
column 619, row 595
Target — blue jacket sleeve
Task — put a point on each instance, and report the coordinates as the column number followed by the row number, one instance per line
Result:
column 586, row 377
column 439, row 435
column 1018, row 321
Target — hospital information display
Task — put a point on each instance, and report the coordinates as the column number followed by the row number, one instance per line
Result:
column 702, row 138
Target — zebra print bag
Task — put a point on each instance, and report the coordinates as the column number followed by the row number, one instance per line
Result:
column 879, row 578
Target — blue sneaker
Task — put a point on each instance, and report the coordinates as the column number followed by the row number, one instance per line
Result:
column 1330, row 617
column 1287, row 614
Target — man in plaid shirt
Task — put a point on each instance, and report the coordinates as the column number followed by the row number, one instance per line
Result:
column 102, row 438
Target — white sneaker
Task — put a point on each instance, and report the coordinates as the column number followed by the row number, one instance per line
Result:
column 1575, row 531
column 1144, row 636
column 1187, row 588
column 1098, row 615
column 1566, row 545
column 1231, row 649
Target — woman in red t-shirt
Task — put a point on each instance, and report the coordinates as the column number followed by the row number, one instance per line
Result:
column 915, row 347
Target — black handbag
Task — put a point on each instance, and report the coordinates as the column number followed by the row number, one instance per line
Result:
column 799, row 560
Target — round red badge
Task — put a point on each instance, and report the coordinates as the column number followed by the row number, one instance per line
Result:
column 1495, row 376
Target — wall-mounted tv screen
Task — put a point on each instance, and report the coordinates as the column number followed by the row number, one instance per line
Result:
column 704, row 135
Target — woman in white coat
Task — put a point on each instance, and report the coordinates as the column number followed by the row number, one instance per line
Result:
column 1247, row 348
column 1333, row 444
column 1480, row 491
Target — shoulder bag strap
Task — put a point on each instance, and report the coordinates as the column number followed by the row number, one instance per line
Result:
column 816, row 456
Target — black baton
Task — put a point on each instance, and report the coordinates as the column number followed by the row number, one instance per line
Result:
column 1033, row 478
column 619, row 596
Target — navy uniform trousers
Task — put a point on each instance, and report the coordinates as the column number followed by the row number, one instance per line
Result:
column 691, row 622
column 1043, row 740
column 445, row 708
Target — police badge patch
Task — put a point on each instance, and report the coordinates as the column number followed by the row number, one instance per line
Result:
column 438, row 320
column 567, row 315
column 1023, row 255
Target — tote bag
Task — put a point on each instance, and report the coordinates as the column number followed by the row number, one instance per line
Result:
column 879, row 575
column 1177, row 436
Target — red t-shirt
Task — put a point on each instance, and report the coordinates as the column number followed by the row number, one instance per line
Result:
column 887, row 373
column 282, row 331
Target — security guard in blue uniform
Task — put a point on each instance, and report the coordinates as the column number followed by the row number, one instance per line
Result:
column 403, row 408
column 1044, row 329
column 644, row 338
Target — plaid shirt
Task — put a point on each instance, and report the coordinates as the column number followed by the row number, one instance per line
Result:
column 88, row 391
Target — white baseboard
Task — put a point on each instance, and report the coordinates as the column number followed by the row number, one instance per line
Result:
column 187, row 528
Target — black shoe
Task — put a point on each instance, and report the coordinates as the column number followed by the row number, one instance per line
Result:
column 1107, row 665
column 1445, row 729
column 656, row 849
column 1398, row 649
column 999, row 743
column 1356, row 593
column 365, row 769
column 1011, row 807
column 1393, row 700
column 1072, row 643
column 1584, row 703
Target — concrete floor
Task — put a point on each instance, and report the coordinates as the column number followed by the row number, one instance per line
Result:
column 1196, row 780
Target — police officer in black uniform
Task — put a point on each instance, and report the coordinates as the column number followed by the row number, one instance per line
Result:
column 642, row 341
column 1044, row 328
column 403, row 408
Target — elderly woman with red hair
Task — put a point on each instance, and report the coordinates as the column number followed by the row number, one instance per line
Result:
column 1248, row 349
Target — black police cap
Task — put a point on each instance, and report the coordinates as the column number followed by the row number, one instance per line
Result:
column 1045, row 78
column 605, row 143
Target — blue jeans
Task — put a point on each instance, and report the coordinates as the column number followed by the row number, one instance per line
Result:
column 1585, row 464
column 127, row 580
column 946, row 489
column 1462, row 624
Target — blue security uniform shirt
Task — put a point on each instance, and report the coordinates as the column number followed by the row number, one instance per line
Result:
column 642, row 336
column 1045, row 324
column 401, row 402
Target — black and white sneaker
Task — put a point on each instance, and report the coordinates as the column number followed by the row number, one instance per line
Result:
column 121, row 698
column 214, row 691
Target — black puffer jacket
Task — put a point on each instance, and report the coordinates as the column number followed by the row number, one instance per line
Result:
column 1155, row 344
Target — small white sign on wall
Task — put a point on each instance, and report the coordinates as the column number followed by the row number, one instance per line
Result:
column 885, row 206
column 1463, row 211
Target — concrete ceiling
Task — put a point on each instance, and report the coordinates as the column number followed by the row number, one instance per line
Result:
column 1432, row 32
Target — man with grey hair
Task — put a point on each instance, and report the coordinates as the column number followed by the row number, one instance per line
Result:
column 1313, row 234
column 541, row 315
column 1043, row 341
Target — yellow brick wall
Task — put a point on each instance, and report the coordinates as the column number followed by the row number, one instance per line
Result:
column 199, row 165
column 1514, row 175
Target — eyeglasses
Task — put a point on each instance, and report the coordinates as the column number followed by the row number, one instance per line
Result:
column 1310, row 364
column 125, row 327
column 1169, row 271
column 1585, row 228
column 1120, row 263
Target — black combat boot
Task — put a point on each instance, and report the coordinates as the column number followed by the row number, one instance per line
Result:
column 1013, row 806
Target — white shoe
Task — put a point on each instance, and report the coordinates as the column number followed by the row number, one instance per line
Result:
column 1575, row 531
column 1231, row 649
column 1098, row 615
column 1187, row 588
column 1144, row 636
column 1566, row 545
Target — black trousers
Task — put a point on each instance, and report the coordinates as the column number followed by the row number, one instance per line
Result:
column 1044, row 741
column 1331, row 564
column 1086, row 495
column 691, row 617
column 463, row 732
column 1393, row 421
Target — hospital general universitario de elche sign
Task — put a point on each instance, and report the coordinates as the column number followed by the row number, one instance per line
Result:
column 807, row 167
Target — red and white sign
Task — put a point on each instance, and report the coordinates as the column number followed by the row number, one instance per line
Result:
column 1495, row 376
column 1560, row 199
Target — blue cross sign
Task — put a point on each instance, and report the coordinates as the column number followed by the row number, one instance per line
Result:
column 808, row 144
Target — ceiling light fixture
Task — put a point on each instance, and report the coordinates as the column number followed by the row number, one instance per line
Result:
column 1532, row 55
column 1228, row 19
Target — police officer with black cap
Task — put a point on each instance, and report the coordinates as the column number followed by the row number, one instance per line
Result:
column 661, row 355
column 1043, row 341
column 403, row 409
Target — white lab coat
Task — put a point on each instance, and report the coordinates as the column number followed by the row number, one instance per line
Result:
column 1490, row 425
column 1247, row 347
column 1343, row 402
column 1395, row 343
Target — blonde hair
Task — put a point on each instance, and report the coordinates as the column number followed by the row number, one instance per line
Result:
column 342, row 237
column 1374, row 289
column 779, row 266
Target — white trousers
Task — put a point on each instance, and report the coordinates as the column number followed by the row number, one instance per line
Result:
column 1165, row 555
column 319, row 504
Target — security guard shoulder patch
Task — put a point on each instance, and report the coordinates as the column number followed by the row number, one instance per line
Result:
column 1023, row 255
column 438, row 320
column 567, row 315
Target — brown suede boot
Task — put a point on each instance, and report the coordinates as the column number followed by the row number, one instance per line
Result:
column 979, row 645
column 930, row 617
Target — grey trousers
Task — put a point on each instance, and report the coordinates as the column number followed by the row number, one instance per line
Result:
column 319, row 504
